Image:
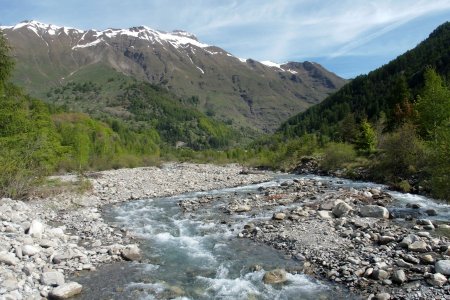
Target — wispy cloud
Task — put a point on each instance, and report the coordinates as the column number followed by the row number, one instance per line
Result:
column 262, row 29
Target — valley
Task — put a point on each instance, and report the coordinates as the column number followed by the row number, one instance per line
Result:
column 144, row 164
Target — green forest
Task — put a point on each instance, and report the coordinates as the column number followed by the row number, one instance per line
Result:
column 394, row 123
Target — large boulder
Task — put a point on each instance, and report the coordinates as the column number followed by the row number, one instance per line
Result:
column 341, row 209
column 374, row 211
column 275, row 276
column 131, row 253
column 65, row 291
column 443, row 267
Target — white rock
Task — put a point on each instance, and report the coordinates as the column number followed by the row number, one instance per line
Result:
column 341, row 209
column 325, row 214
column 30, row 250
column 52, row 278
column 374, row 211
column 8, row 258
column 66, row 290
column 36, row 229
column 437, row 279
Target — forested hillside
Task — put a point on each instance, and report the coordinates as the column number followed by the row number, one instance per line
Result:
column 37, row 139
column 391, row 126
column 380, row 93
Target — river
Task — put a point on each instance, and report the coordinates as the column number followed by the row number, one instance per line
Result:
column 199, row 256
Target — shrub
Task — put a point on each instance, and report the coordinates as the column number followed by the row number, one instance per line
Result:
column 336, row 155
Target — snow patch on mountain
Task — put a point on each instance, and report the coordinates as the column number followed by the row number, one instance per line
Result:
column 271, row 64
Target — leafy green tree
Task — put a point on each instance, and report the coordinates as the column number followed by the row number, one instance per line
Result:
column 367, row 139
column 433, row 105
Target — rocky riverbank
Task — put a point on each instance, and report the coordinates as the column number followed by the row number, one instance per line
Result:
column 349, row 237
column 42, row 241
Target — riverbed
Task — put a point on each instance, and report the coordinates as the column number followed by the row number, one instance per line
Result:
column 201, row 252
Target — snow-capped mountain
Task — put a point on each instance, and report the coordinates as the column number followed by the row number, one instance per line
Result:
column 247, row 92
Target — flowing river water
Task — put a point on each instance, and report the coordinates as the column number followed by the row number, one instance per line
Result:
column 198, row 255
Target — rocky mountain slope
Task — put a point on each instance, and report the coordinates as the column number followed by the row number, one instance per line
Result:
column 246, row 93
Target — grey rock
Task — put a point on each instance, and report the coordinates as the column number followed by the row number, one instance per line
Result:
column 279, row 216
column 383, row 296
column 443, row 267
column 419, row 246
column 66, row 291
column 408, row 240
column 380, row 274
column 243, row 208
column 325, row 214
column 374, row 211
column 131, row 253
column 385, row 239
column 341, row 209
column 275, row 276
column 327, row 205
column 401, row 263
column 52, row 278
column 437, row 279
column 399, row 276
column 431, row 212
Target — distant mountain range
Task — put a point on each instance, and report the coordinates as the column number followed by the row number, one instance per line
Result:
column 244, row 93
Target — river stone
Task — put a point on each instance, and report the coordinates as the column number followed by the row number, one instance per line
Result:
column 431, row 212
column 36, row 229
column 385, row 239
column 52, row 278
column 443, row 267
column 427, row 259
column 401, row 263
column 131, row 253
column 9, row 284
column 380, row 274
column 30, row 250
column 399, row 276
column 383, row 296
column 8, row 258
column 279, row 216
column 341, row 209
column 408, row 240
column 66, row 291
column 374, row 211
column 437, row 279
column 275, row 276
column 243, row 208
column 418, row 246
column 327, row 205
column 325, row 214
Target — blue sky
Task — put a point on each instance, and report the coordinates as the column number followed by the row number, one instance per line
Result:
column 349, row 37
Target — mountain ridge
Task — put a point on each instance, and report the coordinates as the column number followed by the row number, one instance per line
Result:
column 250, row 94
